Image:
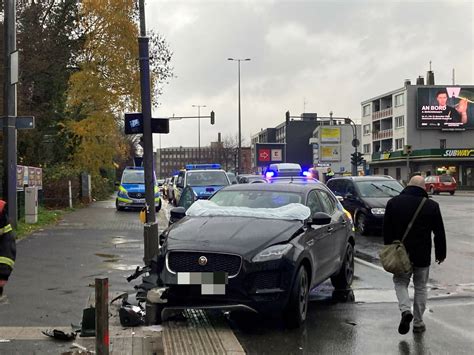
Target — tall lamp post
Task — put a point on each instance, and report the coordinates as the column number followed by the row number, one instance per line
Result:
column 199, row 130
column 240, row 130
column 355, row 142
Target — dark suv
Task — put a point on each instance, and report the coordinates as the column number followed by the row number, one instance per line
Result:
column 365, row 197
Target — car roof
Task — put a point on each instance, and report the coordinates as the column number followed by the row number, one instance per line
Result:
column 297, row 188
column 363, row 178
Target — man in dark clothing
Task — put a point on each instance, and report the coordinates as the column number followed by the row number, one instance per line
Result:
column 398, row 213
column 7, row 247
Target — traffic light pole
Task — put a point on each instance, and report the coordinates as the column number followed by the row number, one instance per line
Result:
column 9, row 109
column 151, row 226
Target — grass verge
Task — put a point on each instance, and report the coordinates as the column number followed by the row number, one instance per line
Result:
column 46, row 217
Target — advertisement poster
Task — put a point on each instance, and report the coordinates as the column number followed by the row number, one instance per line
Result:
column 330, row 134
column 330, row 153
column 446, row 108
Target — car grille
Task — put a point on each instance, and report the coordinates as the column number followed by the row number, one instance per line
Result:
column 266, row 280
column 136, row 195
column 188, row 262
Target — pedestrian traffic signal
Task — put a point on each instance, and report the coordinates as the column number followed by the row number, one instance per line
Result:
column 357, row 158
column 407, row 149
column 213, row 118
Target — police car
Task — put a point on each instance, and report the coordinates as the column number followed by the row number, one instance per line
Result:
column 204, row 179
column 131, row 192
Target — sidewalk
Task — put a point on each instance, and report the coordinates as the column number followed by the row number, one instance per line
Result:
column 54, row 277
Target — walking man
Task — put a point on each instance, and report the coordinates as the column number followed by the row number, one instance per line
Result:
column 398, row 213
column 7, row 247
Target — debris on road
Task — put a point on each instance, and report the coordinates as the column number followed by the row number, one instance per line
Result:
column 59, row 334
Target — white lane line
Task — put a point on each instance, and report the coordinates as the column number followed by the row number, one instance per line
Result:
column 366, row 263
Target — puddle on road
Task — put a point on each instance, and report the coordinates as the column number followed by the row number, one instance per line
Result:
column 122, row 267
column 108, row 256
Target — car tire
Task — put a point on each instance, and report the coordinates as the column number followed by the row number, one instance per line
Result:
column 432, row 191
column 361, row 223
column 295, row 312
column 119, row 208
column 343, row 279
column 451, row 193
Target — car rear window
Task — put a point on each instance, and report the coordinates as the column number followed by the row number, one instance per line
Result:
column 255, row 199
column 207, row 178
column 446, row 178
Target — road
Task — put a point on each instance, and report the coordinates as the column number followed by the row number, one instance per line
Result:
column 57, row 266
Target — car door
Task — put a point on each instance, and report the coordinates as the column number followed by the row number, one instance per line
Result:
column 336, row 230
column 351, row 201
column 317, row 240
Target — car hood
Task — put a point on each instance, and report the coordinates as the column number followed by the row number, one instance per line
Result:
column 134, row 187
column 239, row 235
column 376, row 202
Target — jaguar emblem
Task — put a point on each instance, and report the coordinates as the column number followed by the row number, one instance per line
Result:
column 202, row 261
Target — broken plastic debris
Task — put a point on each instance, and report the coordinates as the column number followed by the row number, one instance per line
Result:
column 154, row 328
column 59, row 334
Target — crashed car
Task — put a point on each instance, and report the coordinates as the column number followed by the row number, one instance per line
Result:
column 256, row 247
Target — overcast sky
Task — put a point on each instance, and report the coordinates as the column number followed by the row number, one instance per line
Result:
column 330, row 54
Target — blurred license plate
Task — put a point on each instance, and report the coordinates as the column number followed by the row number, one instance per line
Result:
column 140, row 200
column 212, row 283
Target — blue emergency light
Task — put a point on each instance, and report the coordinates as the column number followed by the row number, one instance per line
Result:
column 202, row 166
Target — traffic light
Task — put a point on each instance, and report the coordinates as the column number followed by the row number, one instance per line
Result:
column 360, row 158
column 354, row 159
column 213, row 117
column 407, row 149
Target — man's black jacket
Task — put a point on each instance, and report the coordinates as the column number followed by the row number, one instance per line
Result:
column 398, row 214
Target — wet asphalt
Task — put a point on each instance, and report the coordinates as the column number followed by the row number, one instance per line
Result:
column 56, row 268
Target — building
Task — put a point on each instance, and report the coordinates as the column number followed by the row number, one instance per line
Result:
column 169, row 161
column 414, row 117
column 295, row 134
column 332, row 146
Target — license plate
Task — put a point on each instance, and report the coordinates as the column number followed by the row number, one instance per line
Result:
column 140, row 200
column 212, row 283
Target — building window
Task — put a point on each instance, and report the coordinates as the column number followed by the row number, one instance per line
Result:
column 442, row 143
column 399, row 143
column 385, row 171
column 376, row 171
column 366, row 110
column 366, row 129
column 367, row 148
column 399, row 121
column 399, row 100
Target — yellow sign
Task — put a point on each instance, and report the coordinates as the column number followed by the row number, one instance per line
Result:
column 330, row 153
column 331, row 134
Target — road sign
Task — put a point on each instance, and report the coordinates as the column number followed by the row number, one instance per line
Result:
column 22, row 122
column 269, row 153
column 355, row 142
column 134, row 124
column 277, row 155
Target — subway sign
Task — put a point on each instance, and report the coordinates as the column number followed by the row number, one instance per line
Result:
column 458, row 153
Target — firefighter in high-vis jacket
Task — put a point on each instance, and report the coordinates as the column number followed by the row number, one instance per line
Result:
column 7, row 247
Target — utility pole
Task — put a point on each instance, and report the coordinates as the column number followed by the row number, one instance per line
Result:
column 9, row 110
column 151, row 227
column 199, row 130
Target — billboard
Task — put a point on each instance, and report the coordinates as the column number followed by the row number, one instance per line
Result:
column 269, row 153
column 445, row 108
column 330, row 153
column 330, row 134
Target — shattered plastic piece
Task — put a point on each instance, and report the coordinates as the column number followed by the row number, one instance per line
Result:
column 131, row 316
column 138, row 272
column 157, row 295
column 123, row 296
column 59, row 334
column 154, row 328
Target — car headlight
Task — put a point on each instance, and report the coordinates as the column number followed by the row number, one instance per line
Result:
column 378, row 211
column 274, row 252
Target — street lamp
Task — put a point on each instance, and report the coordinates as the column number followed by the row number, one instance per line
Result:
column 355, row 142
column 240, row 131
column 199, row 130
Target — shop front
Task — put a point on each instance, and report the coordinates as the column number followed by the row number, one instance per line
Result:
column 458, row 163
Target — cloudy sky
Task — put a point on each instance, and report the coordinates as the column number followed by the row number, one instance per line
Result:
column 306, row 56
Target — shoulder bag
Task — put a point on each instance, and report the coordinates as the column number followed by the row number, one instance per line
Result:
column 394, row 257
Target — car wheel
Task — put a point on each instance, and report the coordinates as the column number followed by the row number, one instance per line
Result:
column 451, row 192
column 432, row 191
column 295, row 312
column 119, row 208
column 158, row 207
column 344, row 277
column 361, row 223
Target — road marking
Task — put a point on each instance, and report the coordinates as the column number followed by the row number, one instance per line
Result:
column 366, row 263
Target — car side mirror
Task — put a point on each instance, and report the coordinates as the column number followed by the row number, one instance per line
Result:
column 176, row 214
column 340, row 198
column 320, row 219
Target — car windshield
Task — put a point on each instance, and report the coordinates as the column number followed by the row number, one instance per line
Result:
column 293, row 180
column 379, row 188
column 255, row 199
column 207, row 178
column 133, row 177
column 445, row 178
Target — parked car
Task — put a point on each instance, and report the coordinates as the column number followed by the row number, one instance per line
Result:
column 264, row 246
column 365, row 197
column 435, row 184
column 232, row 178
column 131, row 193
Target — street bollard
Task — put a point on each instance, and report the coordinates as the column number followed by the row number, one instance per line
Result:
column 102, row 316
